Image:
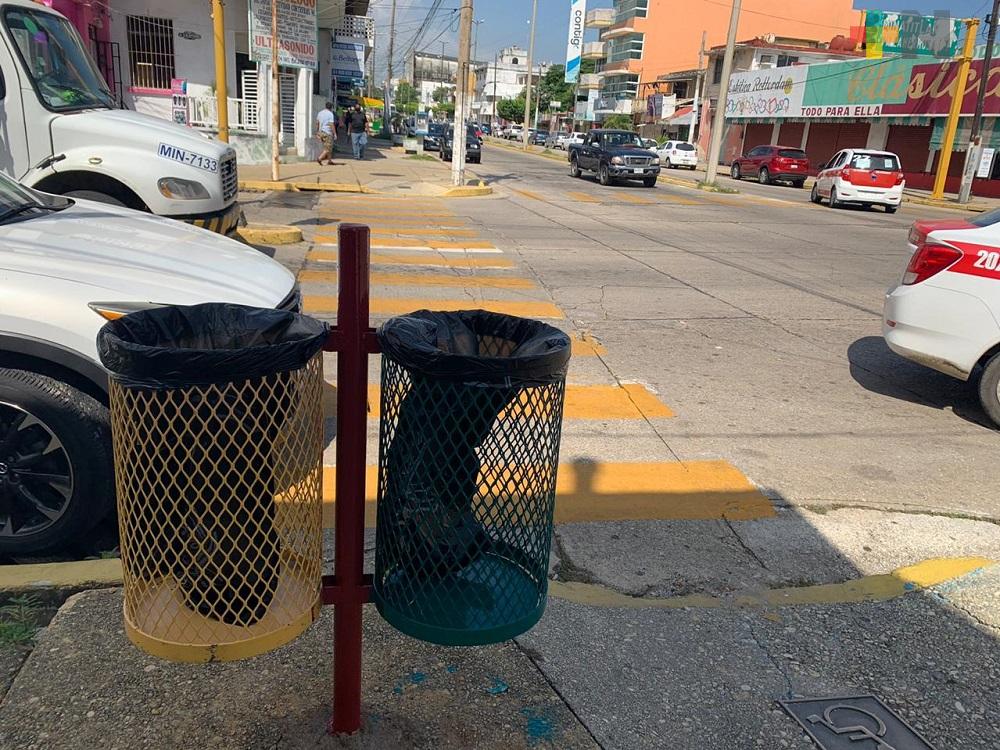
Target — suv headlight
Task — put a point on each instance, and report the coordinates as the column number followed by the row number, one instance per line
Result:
column 617, row 160
column 180, row 189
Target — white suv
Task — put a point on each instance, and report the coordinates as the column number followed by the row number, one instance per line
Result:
column 66, row 268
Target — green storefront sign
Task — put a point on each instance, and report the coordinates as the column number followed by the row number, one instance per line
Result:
column 911, row 34
column 859, row 82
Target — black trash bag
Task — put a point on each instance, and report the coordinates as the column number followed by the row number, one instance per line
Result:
column 464, row 369
column 223, row 482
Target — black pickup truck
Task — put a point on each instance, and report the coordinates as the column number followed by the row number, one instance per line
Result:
column 614, row 155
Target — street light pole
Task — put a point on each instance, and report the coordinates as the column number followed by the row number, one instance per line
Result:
column 461, row 87
column 719, row 121
column 531, row 54
column 974, row 152
column 697, row 89
column 221, row 93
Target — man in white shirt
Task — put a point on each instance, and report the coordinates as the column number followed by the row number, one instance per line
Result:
column 326, row 131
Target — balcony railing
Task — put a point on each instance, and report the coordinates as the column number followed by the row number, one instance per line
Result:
column 594, row 50
column 244, row 114
column 599, row 18
column 591, row 80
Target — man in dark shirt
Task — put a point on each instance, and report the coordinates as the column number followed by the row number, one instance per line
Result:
column 357, row 126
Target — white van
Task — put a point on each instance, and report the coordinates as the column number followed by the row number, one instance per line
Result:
column 61, row 133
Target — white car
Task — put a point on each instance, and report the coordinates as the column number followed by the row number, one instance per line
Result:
column 678, row 154
column 515, row 132
column 563, row 139
column 945, row 311
column 66, row 268
column 858, row 175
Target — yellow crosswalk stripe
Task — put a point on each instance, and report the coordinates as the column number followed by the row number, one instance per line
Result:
column 583, row 197
column 327, row 305
column 528, row 194
column 589, row 492
column 680, row 200
column 330, row 239
column 350, row 213
column 428, row 260
column 635, row 199
column 441, row 221
column 408, row 231
column 585, row 345
column 426, row 279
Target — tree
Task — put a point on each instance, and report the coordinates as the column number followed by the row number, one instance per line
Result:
column 445, row 108
column 443, row 94
column 512, row 109
column 406, row 98
column 618, row 122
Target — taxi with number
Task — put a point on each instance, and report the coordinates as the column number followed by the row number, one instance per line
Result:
column 945, row 311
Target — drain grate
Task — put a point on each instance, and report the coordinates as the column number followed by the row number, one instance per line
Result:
column 861, row 722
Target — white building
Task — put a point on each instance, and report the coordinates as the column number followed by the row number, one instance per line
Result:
column 504, row 78
column 163, row 43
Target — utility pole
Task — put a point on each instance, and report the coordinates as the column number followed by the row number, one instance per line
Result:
column 697, row 89
column 392, row 48
column 957, row 96
column 719, row 119
column 275, row 96
column 221, row 92
column 493, row 108
column 974, row 153
column 526, row 135
column 461, row 87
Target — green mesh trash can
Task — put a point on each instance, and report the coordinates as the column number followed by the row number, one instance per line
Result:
column 471, row 418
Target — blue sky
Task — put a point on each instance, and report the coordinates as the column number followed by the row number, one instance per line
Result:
column 506, row 22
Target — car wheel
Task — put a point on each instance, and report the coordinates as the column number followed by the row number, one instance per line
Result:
column 989, row 389
column 814, row 195
column 734, row 171
column 94, row 195
column 574, row 168
column 891, row 209
column 649, row 181
column 834, row 201
column 604, row 175
column 56, row 471
column 799, row 184
column 763, row 177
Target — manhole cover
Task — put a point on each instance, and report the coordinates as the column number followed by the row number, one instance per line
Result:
column 862, row 722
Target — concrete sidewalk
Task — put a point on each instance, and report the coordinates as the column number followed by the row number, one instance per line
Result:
column 385, row 169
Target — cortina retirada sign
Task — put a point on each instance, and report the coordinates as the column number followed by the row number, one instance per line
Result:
column 574, row 47
column 297, row 36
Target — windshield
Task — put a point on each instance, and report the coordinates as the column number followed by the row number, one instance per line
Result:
column 19, row 201
column 435, row 128
column 683, row 147
column 612, row 140
column 63, row 74
column 886, row 162
column 792, row 153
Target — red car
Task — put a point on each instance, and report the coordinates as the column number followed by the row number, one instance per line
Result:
column 773, row 164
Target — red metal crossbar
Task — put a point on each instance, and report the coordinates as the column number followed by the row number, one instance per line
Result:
column 349, row 588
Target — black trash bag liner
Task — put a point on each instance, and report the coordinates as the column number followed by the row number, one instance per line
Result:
column 167, row 347
column 465, row 368
column 475, row 346
column 224, row 480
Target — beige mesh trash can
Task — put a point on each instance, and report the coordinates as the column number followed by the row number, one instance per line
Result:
column 217, row 425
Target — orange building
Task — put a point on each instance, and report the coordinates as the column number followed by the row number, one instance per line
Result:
column 643, row 39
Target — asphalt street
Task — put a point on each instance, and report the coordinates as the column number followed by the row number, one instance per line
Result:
column 757, row 500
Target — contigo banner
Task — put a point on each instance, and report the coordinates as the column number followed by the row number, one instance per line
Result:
column 574, row 47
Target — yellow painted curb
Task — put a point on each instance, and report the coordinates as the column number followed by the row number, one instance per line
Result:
column 468, row 191
column 265, row 185
column 874, row 588
column 270, row 234
column 948, row 205
column 334, row 187
column 61, row 575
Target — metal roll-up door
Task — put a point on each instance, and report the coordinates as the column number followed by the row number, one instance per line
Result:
column 852, row 135
column 822, row 142
column 791, row 134
column 757, row 134
column 912, row 144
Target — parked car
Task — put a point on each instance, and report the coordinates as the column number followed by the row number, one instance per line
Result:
column 67, row 267
column 944, row 313
column 649, row 143
column 514, row 132
column 772, row 164
column 678, row 154
column 473, row 148
column 861, row 176
column 540, row 138
column 432, row 141
column 565, row 139
column 614, row 155
column 486, row 128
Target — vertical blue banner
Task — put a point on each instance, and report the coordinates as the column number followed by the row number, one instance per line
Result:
column 574, row 46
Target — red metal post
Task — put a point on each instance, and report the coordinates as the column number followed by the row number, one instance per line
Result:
column 352, row 436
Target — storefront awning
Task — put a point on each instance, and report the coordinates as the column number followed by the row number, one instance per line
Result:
column 991, row 133
column 681, row 117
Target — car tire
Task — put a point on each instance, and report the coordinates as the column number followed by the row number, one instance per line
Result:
column 96, row 196
column 814, row 195
column 574, row 168
column 80, row 426
column 649, row 182
column 604, row 175
column 799, row 184
column 734, row 172
column 891, row 209
column 763, row 176
column 989, row 389
column 834, row 201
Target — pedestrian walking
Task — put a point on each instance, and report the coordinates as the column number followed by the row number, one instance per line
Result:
column 357, row 127
column 326, row 131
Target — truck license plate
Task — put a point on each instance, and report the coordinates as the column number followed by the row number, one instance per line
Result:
column 637, row 170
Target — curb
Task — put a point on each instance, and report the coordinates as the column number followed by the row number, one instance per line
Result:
column 468, row 191
column 972, row 207
column 270, row 234
column 61, row 575
column 500, row 143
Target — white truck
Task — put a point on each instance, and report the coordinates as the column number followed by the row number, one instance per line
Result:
column 60, row 131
